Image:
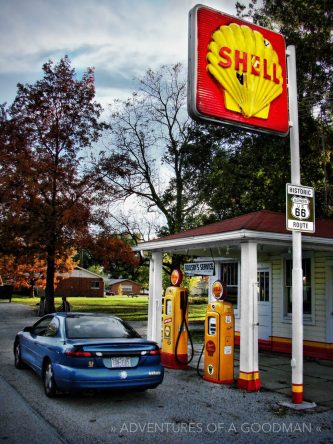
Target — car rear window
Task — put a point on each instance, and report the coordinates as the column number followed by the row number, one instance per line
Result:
column 85, row 327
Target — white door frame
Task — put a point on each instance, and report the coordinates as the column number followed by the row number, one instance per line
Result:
column 267, row 305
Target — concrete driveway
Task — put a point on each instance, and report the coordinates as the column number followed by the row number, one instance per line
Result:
column 275, row 373
column 184, row 409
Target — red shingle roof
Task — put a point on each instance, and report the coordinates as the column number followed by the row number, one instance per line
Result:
column 264, row 221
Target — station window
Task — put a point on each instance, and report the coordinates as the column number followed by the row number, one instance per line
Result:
column 230, row 277
column 263, row 286
column 307, row 286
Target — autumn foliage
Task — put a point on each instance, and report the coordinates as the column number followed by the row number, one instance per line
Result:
column 50, row 186
column 110, row 251
column 29, row 272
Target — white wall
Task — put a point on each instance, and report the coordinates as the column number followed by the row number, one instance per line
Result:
column 314, row 329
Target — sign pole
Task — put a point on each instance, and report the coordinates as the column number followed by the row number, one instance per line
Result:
column 297, row 272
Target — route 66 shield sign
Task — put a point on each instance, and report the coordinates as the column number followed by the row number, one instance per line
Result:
column 300, row 207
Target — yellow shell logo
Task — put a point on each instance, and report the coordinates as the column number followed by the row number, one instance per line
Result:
column 245, row 64
column 217, row 289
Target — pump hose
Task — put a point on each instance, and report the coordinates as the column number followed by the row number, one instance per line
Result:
column 184, row 323
column 199, row 360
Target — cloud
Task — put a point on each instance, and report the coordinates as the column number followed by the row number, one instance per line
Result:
column 121, row 39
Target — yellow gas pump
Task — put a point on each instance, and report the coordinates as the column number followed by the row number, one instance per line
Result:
column 175, row 332
column 219, row 338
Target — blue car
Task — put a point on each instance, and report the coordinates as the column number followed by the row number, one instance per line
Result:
column 79, row 351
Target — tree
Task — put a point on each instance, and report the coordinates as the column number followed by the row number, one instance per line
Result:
column 14, row 161
column 30, row 271
column 248, row 171
column 111, row 252
column 49, row 192
column 254, row 175
column 246, row 175
column 152, row 130
column 308, row 25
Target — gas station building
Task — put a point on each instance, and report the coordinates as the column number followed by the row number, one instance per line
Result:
column 252, row 254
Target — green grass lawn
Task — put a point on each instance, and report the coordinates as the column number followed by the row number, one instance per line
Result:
column 131, row 309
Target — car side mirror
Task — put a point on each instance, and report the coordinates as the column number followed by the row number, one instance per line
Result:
column 27, row 329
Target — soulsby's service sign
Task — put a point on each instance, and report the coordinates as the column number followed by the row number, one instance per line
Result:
column 237, row 72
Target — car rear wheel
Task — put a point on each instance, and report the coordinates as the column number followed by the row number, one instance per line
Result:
column 17, row 356
column 49, row 382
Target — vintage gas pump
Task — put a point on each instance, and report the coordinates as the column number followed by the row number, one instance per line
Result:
column 175, row 332
column 219, row 338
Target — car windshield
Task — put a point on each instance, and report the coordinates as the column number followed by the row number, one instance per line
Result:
column 94, row 327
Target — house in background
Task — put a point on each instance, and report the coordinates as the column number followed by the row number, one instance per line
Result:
column 80, row 282
column 122, row 286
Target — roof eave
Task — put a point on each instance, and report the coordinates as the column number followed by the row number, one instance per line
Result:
column 193, row 242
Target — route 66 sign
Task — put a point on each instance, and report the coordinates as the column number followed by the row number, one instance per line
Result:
column 300, row 208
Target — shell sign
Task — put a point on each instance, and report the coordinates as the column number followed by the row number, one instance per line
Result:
column 237, row 72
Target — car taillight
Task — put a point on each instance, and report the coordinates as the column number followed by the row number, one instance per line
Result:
column 155, row 352
column 78, row 354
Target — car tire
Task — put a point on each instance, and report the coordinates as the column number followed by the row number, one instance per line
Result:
column 50, row 387
column 17, row 357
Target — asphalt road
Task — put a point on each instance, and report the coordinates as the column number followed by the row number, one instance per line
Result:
column 184, row 409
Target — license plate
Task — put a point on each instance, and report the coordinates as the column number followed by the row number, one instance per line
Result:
column 120, row 362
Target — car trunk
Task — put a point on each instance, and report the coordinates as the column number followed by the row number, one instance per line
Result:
column 118, row 354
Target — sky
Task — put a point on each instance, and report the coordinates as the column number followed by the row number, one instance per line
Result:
column 121, row 39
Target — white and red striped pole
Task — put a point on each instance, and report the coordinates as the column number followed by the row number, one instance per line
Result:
column 297, row 272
